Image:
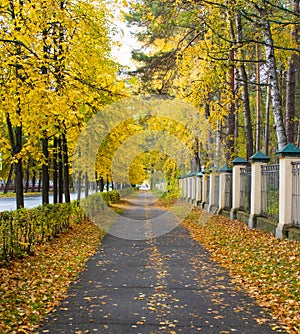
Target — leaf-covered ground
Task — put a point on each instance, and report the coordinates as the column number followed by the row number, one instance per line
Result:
column 33, row 286
column 268, row 268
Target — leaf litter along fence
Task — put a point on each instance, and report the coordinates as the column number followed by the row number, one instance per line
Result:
column 270, row 191
column 296, row 194
column 245, row 190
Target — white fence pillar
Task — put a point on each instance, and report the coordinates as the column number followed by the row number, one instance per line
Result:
column 257, row 160
column 287, row 155
column 237, row 163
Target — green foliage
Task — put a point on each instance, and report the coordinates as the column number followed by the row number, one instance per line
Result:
column 20, row 230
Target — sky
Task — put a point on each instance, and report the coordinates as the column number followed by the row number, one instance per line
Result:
column 124, row 36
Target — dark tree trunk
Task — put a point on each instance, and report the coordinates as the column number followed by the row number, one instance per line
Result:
column 15, row 137
column 290, row 124
column 87, row 184
column 258, row 101
column 7, row 184
column 66, row 169
column 60, row 172
column 27, row 180
column 245, row 94
column 40, row 182
column 55, row 171
column 33, row 181
column 231, row 113
column 79, row 182
column 45, row 171
column 290, row 98
column 101, row 184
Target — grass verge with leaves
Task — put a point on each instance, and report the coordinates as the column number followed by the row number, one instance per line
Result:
column 31, row 287
column 266, row 267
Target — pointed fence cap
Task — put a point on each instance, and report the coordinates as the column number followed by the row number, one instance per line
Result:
column 290, row 150
column 225, row 169
column 259, row 157
column 239, row 161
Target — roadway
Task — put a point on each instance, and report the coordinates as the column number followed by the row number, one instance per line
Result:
column 9, row 203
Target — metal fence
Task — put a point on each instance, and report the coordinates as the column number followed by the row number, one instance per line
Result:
column 270, row 191
column 207, row 188
column 245, row 190
column 217, row 190
column 296, row 194
column 228, row 191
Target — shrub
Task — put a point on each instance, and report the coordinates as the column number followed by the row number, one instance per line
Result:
column 21, row 229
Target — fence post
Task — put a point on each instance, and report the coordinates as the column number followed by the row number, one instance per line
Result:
column 257, row 160
column 290, row 153
column 237, row 163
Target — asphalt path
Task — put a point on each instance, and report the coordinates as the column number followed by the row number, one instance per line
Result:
column 166, row 284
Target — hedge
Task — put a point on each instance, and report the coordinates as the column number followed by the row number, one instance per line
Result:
column 21, row 229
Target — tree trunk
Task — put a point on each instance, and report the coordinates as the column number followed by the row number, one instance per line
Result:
column 40, row 182
column 245, row 93
column 60, row 172
column 230, row 125
column 6, row 188
column 196, row 159
column 15, row 137
column 45, row 171
column 79, row 187
column 66, row 169
column 267, row 125
column 55, row 170
column 258, row 100
column 273, row 79
column 86, row 183
column 291, row 82
column 33, row 181
column 27, row 180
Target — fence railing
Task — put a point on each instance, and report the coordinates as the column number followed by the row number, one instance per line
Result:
column 207, row 188
column 275, row 194
column 217, row 190
column 228, row 192
column 296, row 194
column 270, row 191
column 245, row 189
